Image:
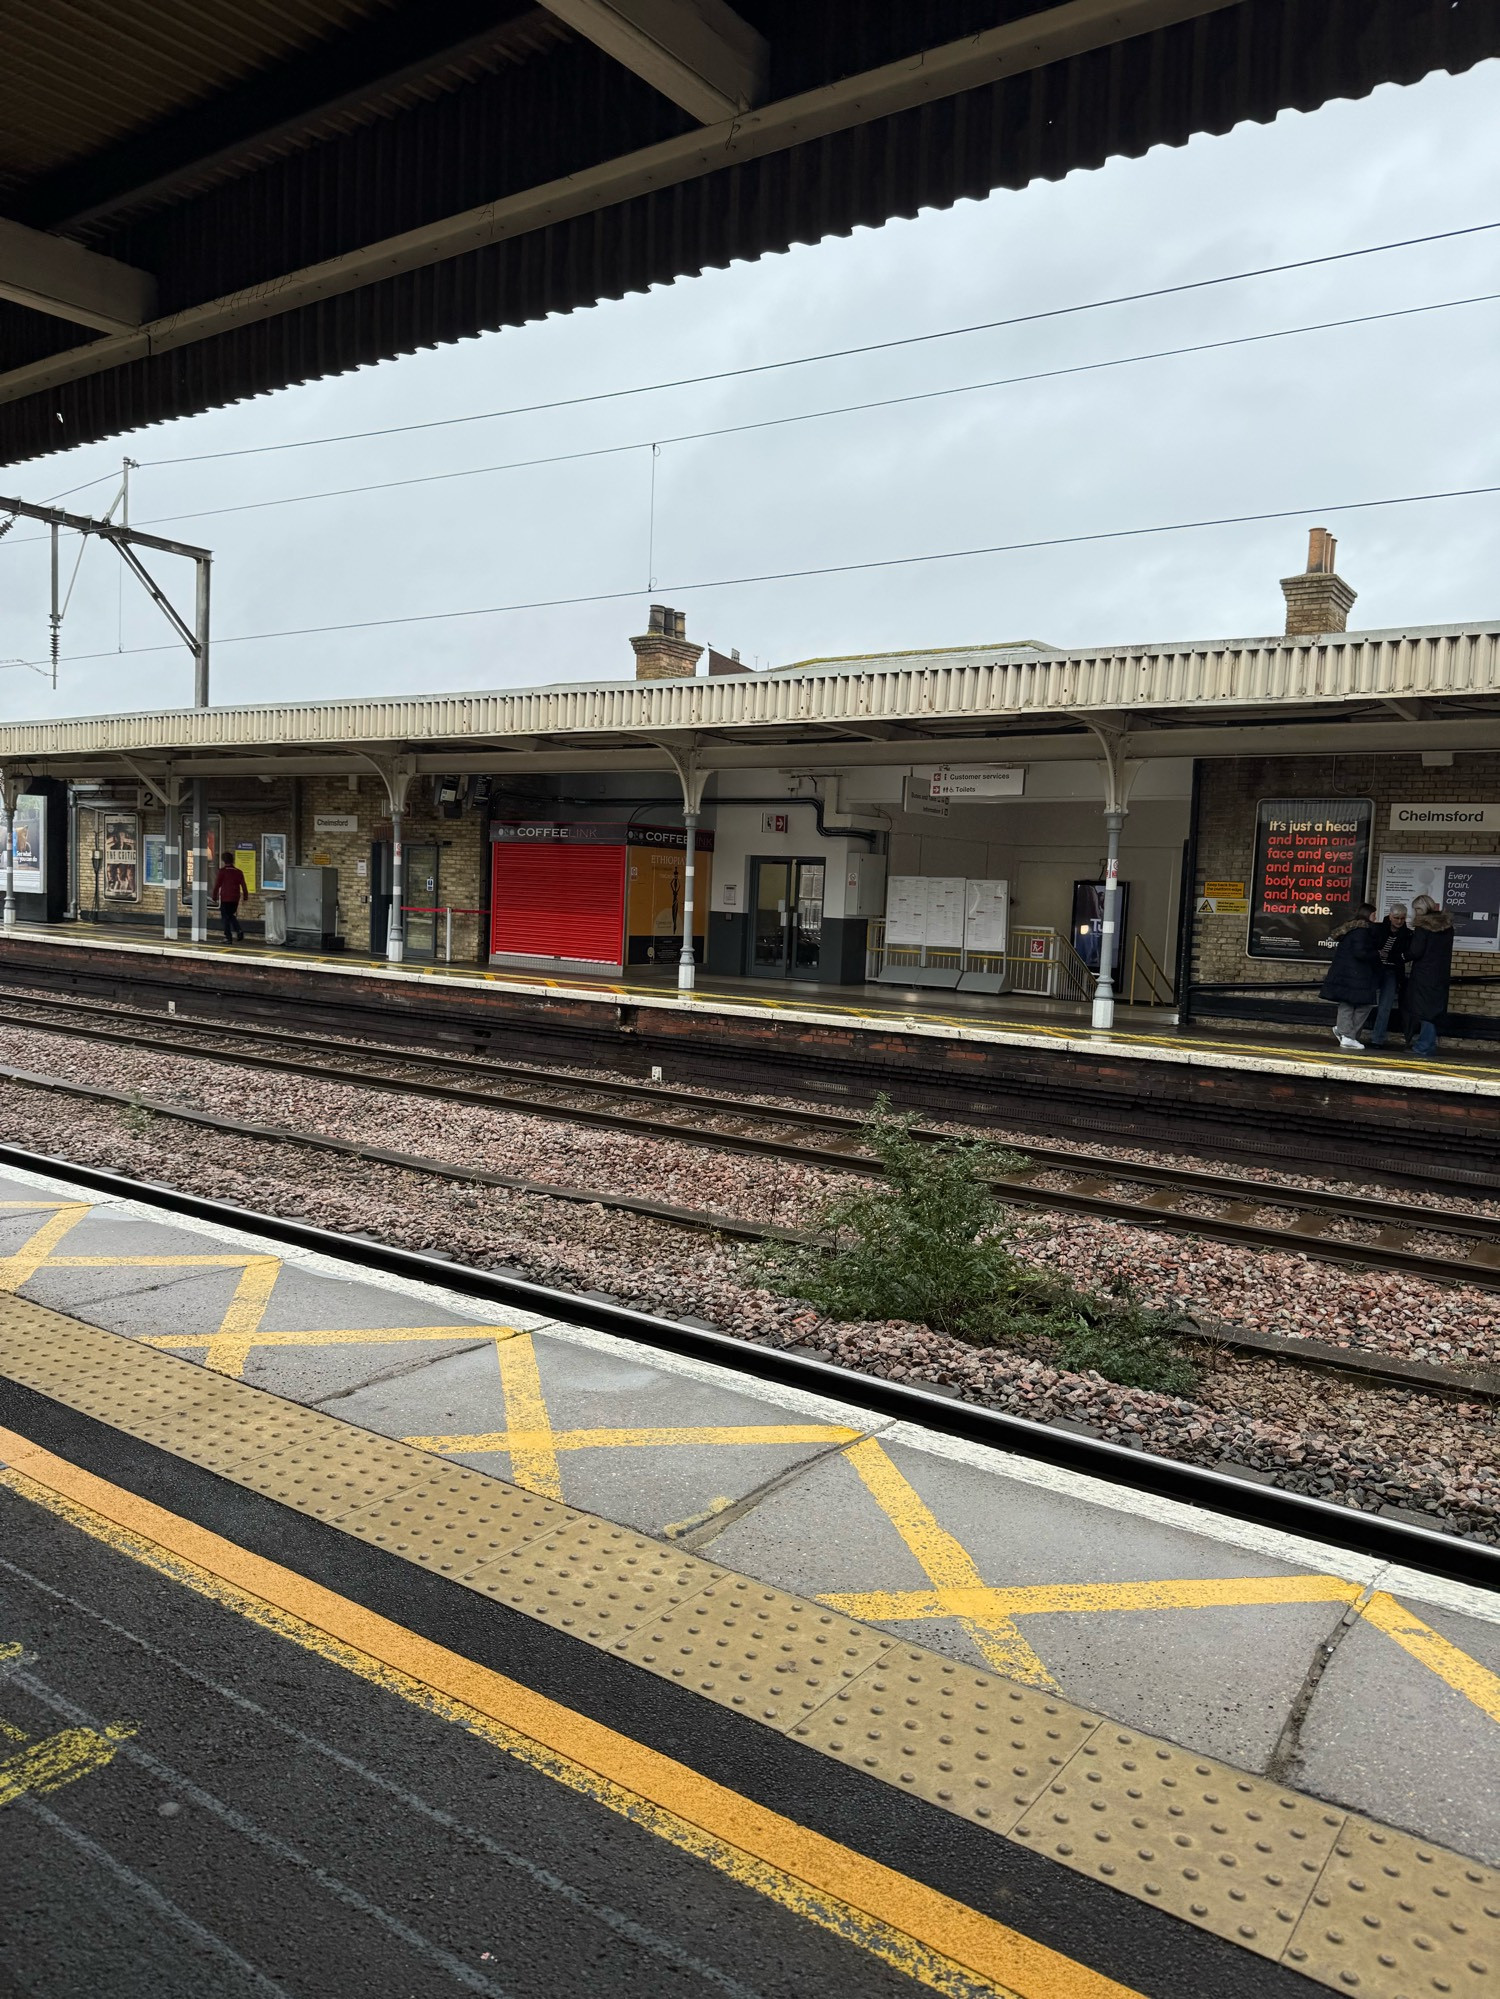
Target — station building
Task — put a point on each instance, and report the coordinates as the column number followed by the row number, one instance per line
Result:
column 900, row 825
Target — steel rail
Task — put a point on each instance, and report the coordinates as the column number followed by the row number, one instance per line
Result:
column 1385, row 1371
column 557, row 1098
column 1422, row 1549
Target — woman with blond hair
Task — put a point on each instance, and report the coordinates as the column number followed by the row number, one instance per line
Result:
column 1431, row 971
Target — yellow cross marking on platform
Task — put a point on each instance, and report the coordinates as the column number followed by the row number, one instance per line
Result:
column 337, row 1336
column 23, row 1264
column 948, row 1564
column 514, row 1440
column 534, row 1463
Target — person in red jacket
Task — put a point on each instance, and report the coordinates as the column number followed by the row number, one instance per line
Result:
column 230, row 889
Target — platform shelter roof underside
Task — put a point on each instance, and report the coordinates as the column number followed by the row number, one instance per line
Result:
column 204, row 200
column 1434, row 687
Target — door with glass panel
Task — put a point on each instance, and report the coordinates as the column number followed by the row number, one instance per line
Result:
column 787, row 919
column 424, row 927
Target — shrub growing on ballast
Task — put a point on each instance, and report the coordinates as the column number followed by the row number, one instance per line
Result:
column 930, row 1243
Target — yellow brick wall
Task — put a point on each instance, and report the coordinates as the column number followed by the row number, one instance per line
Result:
column 461, row 877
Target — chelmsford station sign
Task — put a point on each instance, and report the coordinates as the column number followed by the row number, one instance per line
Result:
column 1471, row 816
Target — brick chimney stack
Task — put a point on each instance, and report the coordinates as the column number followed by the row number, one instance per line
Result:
column 1319, row 600
column 663, row 651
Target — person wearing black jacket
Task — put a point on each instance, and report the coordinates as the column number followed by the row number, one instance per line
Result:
column 1431, row 971
column 1393, row 947
column 1354, row 975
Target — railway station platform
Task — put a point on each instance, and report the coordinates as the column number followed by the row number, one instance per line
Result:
column 1140, row 1033
column 992, row 1726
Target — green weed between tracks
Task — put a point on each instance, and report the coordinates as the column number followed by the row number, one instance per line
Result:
column 929, row 1243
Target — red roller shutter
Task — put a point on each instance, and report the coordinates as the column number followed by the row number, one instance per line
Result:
column 559, row 901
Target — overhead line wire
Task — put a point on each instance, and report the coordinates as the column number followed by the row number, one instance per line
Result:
column 825, row 569
column 843, row 353
column 811, row 416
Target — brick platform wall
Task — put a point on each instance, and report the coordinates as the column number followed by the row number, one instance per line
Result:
column 1231, row 790
column 461, row 863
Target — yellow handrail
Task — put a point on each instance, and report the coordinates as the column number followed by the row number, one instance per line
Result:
column 1159, row 988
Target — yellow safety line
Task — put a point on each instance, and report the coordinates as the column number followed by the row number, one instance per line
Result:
column 521, row 1442
column 535, row 1465
column 946, row 1562
column 230, row 1346
column 920, row 1932
column 24, row 1263
column 1465, row 1675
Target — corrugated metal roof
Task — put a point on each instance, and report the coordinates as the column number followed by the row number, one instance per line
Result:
column 1217, row 679
column 570, row 109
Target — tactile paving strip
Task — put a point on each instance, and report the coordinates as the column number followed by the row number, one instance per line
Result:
column 1392, row 1914
column 962, row 1739
column 593, row 1579
column 1351, row 1905
column 773, row 1656
column 1219, row 1848
column 455, row 1522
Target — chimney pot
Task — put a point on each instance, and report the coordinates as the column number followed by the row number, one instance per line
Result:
column 663, row 651
column 1319, row 600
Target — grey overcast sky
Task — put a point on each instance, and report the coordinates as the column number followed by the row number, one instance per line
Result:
column 1408, row 406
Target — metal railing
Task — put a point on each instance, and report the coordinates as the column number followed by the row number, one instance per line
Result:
column 1147, row 972
column 1037, row 960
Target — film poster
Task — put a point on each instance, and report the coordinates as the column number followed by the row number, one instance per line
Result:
column 122, row 856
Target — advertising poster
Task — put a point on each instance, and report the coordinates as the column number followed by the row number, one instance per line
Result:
column 1312, row 858
column 28, row 844
column 1466, row 885
column 273, row 862
column 154, row 860
column 122, row 864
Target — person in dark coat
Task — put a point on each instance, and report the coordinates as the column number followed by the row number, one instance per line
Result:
column 1431, row 970
column 1353, row 979
column 1393, row 946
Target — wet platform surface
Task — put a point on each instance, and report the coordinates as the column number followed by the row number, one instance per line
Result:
column 1370, row 1693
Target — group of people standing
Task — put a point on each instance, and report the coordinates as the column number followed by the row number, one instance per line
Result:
column 1391, row 967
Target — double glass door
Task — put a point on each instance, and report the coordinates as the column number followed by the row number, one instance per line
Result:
column 787, row 941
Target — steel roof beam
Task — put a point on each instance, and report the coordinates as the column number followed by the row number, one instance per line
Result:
column 929, row 77
column 64, row 280
column 698, row 53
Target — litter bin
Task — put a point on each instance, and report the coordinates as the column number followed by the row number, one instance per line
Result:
column 275, row 919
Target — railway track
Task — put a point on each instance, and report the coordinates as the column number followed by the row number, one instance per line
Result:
column 1227, row 1489
column 1423, row 1240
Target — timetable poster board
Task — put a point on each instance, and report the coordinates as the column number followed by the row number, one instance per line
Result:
column 945, row 912
column 28, row 844
column 122, row 856
column 986, row 916
column 1312, row 858
column 154, row 860
column 906, row 912
column 1466, row 885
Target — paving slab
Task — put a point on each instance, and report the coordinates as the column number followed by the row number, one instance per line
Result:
column 1389, row 1736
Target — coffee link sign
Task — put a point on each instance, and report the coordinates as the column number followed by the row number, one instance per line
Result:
column 1312, row 859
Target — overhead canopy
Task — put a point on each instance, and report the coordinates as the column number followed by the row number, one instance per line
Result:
column 1437, row 687
column 201, row 200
